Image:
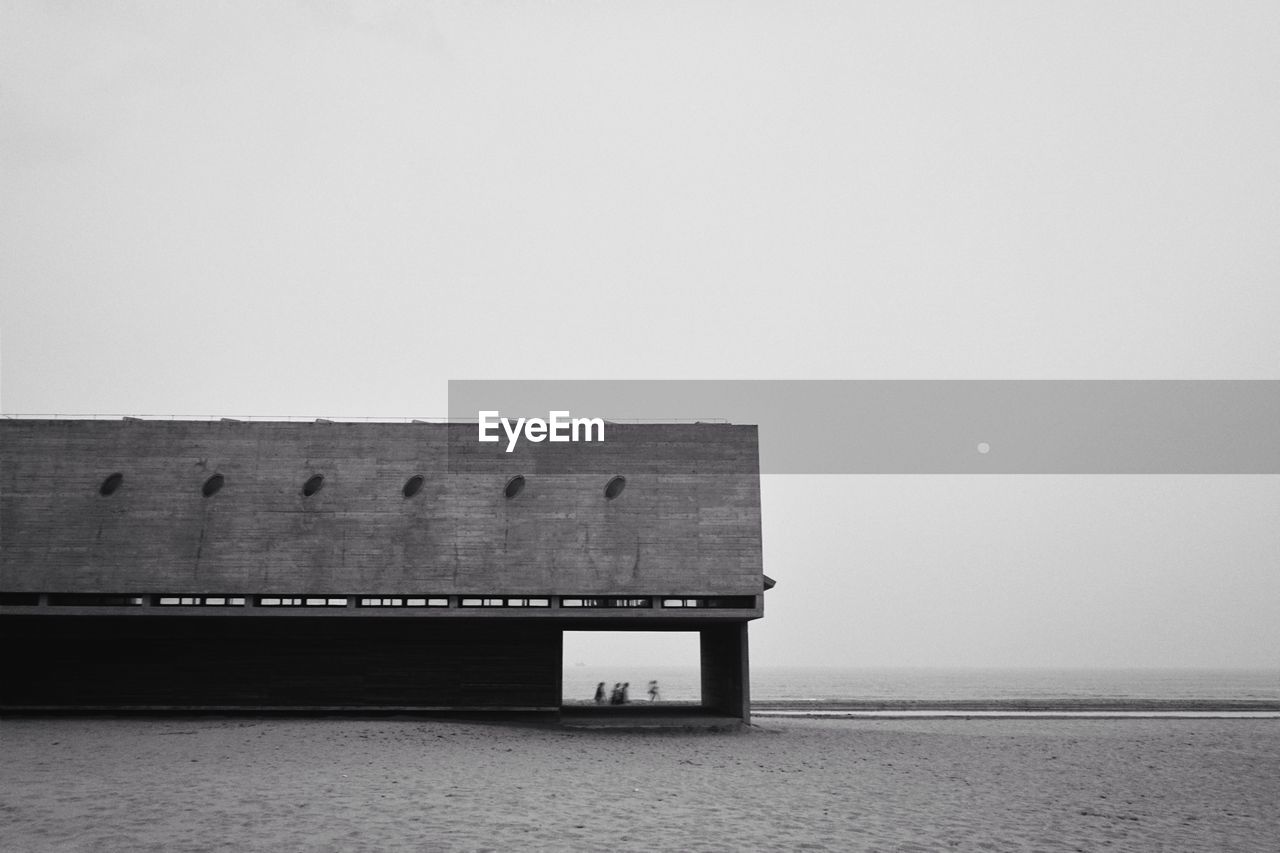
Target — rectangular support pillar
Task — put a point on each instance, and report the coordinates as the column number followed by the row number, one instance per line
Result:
column 726, row 682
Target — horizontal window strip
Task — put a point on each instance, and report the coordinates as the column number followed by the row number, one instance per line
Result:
column 583, row 602
column 505, row 601
column 199, row 601
column 402, row 601
column 300, row 601
column 606, row 602
column 718, row 602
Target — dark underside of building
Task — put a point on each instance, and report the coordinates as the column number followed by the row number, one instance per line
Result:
column 243, row 664
column 253, row 566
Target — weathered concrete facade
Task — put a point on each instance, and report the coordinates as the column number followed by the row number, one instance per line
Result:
column 210, row 550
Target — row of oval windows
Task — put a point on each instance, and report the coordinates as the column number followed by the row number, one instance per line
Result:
column 316, row 482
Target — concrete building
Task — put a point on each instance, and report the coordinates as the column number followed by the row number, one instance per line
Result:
column 336, row 565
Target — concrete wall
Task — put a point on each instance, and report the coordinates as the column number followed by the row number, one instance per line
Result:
column 688, row 522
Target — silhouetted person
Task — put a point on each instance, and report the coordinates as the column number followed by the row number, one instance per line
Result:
column 653, row 691
column 599, row 700
column 616, row 697
column 625, row 698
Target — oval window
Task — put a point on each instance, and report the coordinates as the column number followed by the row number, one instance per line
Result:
column 313, row 485
column 614, row 487
column 110, row 484
column 212, row 485
column 514, row 486
column 413, row 485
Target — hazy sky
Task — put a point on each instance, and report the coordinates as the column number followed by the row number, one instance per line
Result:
column 333, row 208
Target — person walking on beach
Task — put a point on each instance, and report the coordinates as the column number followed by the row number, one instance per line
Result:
column 599, row 699
column 653, row 691
column 615, row 698
column 625, row 698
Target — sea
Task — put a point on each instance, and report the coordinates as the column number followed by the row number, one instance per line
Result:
column 996, row 688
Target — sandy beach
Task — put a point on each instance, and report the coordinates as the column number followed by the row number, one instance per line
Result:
column 207, row 783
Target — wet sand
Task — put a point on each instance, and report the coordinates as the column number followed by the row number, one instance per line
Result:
column 393, row 784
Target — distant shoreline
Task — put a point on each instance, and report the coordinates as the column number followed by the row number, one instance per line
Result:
column 1038, row 706
column 958, row 707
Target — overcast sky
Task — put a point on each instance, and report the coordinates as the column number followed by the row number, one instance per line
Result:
column 334, row 208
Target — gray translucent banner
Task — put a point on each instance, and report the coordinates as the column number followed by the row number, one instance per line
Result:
column 935, row 426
